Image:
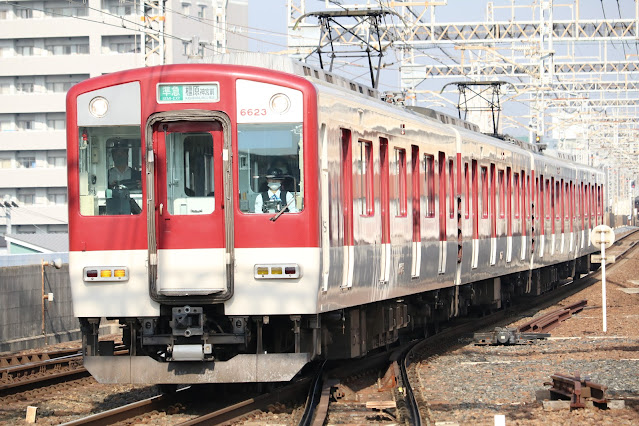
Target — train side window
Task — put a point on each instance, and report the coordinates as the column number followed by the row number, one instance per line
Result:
column 517, row 196
column 429, row 184
column 109, row 166
column 451, row 178
column 558, row 201
column 566, row 198
column 365, row 171
column 484, row 192
column 502, row 198
column 548, row 199
column 400, row 183
column 467, row 191
column 599, row 204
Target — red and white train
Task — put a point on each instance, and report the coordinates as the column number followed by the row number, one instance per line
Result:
column 395, row 219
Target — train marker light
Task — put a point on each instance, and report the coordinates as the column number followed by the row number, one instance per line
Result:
column 289, row 270
column 280, row 103
column 105, row 273
column 98, row 107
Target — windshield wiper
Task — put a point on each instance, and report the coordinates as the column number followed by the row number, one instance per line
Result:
column 274, row 218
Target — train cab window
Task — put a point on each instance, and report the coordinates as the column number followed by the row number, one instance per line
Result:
column 270, row 154
column 189, row 173
column 429, row 184
column 109, row 165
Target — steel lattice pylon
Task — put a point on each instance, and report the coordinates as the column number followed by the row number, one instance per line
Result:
column 153, row 14
column 538, row 55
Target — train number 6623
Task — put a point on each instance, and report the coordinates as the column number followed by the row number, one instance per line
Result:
column 252, row 111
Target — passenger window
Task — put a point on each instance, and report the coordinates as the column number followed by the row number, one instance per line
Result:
column 365, row 171
column 429, row 184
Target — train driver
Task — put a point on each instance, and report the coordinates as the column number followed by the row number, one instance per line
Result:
column 275, row 198
column 121, row 173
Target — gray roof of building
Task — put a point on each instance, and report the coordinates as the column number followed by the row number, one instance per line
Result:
column 57, row 243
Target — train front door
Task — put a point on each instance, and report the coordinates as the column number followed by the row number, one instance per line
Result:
column 188, row 195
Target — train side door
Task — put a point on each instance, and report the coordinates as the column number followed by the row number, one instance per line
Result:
column 189, row 209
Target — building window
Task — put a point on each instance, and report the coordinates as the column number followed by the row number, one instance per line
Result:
column 56, row 196
column 24, row 50
column 22, row 12
column 55, row 121
column 62, row 83
column 25, row 124
column 27, row 162
column 61, row 10
column 26, row 197
column 117, row 7
column 57, row 161
column 4, row 14
column 67, row 46
column 201, row 13
column 186, row 9
column 22, row 87
column 5, row 163
column 118, row 44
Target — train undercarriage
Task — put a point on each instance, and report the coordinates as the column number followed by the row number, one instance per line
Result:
column 199, row 344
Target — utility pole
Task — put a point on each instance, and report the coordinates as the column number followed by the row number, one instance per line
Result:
column 8, row 205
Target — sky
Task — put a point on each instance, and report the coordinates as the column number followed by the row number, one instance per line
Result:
column 268, row 21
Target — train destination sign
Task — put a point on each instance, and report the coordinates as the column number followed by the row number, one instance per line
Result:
column 188, row 92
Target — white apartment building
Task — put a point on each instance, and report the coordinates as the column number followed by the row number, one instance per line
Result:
column 48, row 46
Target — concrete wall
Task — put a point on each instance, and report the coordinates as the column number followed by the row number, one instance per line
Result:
column 21, row 307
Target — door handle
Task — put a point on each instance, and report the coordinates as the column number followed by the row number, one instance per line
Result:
column 161, row 208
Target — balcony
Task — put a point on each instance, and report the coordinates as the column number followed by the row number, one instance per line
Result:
column 94, row 65
column 33, row 140
column 34, row 177
column 32, row 103
column 66, row 27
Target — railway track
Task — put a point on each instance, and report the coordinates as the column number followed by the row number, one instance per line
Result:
column 376, row 389
column 19, row 371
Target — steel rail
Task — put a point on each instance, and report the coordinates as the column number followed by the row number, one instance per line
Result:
column 20, row 359
column 125, row 412
column 34, row 372
column 248, row 406
column 405, row 388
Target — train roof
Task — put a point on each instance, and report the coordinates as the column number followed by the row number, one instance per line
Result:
column 323, row 77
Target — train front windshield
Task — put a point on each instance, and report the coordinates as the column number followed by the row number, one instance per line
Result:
column 110, row 171
column 267, row 151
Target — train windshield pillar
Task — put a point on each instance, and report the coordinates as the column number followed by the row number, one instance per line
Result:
column 110, row 163
column 271, row 169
